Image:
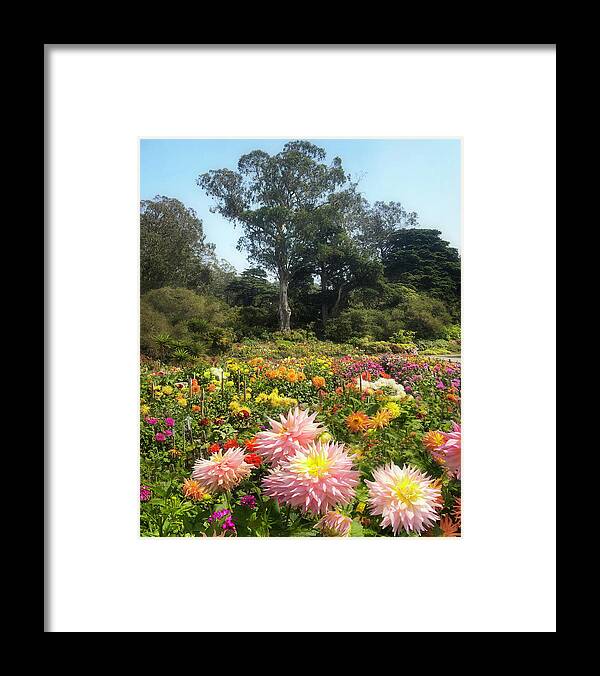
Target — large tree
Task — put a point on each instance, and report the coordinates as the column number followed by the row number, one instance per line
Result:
column 422, row 260
column 336, row 257
column 173, row 250
column 273, row 197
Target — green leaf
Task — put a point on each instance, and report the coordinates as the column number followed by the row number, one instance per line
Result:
column 356, row 529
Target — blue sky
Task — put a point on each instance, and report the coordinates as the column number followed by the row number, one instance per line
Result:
column 423, row 174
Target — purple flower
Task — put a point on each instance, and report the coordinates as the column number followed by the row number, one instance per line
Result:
column 159, row 436
column 228, row 524
column 168, row 433
column 216, row 516
column 440, row 385
column 169, row 422
column 248, row 501
column 151, row 421
column 456, row 383
column 145, row 494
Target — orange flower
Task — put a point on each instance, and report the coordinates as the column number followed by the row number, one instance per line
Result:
column 212, row 387
column 195, row 408
column 456, row 512
column 195, row 388
column 319, row 381
column 381, row 419
column 292, row 377
column 433, row 439
column 357, row 422
column 250, row 444
column 449, row 528
column 174, row 453
column 193, row 490
column 339, row 390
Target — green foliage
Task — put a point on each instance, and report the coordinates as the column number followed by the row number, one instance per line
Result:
column 174, row 318
column 340, row 268
column 173, row 251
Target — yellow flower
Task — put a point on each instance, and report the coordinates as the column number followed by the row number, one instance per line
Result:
column 381, row 419
column 325, row 437
column 360, row 507
column 145, row 409
column 393, row 408
column 168, row 389
column 182, row 401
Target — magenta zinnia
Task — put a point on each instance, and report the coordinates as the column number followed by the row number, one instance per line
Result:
column 334, row 524
column 314, row 479
column 405, row 497
column 284, row 438
column 222, row 471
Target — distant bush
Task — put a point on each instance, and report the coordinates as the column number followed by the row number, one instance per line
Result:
column 180, row 319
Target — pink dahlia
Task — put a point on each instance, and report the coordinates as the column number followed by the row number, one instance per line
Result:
column 284, row 438
column 222, row 471
column 314, row 479
column 334, row 524
column 448, row 453
column 405, row 497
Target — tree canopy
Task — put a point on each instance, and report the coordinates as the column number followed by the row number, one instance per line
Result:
column 173, row 251
column 274, row 197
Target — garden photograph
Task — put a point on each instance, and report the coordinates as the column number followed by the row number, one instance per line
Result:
column 281, row 281
column 300, row 337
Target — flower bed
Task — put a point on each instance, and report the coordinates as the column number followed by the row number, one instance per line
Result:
column 302, row 446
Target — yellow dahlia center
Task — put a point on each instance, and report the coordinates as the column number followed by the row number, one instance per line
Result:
column 407, row 490
column 316, row 465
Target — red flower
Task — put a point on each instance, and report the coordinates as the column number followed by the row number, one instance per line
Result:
column 253, row 459
column 244, row 414
column 214, row 448
column 250, row 444
column 219, row 421
column 232, row 443
column 205, row 422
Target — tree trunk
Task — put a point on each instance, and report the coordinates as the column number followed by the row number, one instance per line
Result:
column 324, row 308
column 335, row 310
column 284, row 309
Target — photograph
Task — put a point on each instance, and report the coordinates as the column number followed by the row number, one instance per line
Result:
column 300, row 337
